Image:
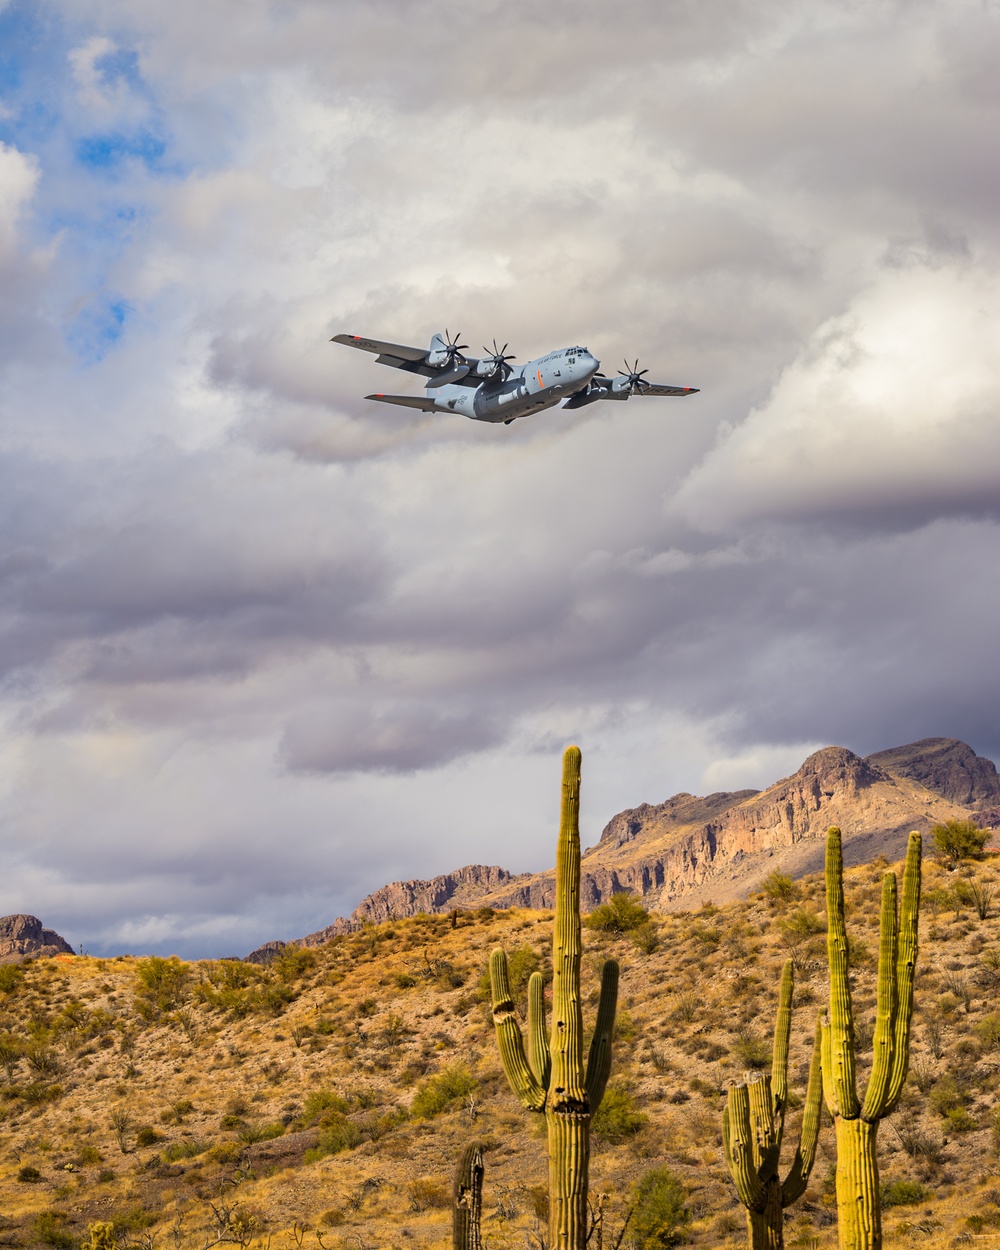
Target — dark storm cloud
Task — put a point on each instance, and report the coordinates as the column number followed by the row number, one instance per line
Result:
column 263, row 644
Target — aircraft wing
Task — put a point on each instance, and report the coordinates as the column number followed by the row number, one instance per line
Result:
column 397, row 350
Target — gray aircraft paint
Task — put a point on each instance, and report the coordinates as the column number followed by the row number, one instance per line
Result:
column 486, row 390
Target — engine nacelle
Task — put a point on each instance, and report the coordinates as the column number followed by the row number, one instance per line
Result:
column 441, row 352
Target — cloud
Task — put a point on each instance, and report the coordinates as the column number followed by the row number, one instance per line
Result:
column 891, row 411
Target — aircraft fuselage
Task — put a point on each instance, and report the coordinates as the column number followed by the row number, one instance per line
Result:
column 529, row 388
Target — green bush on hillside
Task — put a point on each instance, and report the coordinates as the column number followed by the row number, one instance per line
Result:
column 620, row 914
column 959, row 839
column 438, row 1092
column 661, row 1214
column 618, row 1117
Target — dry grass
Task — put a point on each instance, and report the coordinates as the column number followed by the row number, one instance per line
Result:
column 144, row 1093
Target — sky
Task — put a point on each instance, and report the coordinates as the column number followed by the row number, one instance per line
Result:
column 265, row 646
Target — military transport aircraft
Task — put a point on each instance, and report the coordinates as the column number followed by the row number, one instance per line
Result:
column 490, row 389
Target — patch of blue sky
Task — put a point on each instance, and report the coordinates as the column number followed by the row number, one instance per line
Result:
column 98, row 327
column 107, row 152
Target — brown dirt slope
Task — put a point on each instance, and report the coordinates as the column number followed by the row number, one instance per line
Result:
column 323, row 1101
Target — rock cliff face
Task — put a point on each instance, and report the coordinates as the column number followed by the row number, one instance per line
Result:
column 461, row 888
column 692, row 849
column 946, row 766
column 24, row 935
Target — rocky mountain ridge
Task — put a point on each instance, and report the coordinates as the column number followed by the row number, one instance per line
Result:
column 691, row 849
column 25, row 935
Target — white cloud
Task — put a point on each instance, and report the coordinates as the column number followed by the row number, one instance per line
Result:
column 892, row 408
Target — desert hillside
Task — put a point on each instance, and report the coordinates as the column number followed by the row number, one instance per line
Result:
column 322, row 1100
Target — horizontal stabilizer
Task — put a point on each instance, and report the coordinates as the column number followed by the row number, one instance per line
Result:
column 407, row 401
column 657, row 388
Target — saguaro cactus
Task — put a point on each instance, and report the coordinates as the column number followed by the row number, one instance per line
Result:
column 859, row 1215
column 753, row 1125
column 467, row 1200
column 551, row 1077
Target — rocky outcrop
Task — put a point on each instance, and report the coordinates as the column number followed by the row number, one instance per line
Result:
column 267, row 953
column 462, row 888
column 25, row 935
column 682, row 809
column 948, row 767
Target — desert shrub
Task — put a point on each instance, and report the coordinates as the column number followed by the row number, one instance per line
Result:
column 182, row 1150
column 133, row 1220
column 87, row 1156
column 28, row 1175
column 438, row 1092
column 225, row 1152
column 11, row 1050
column 37, row 1093
column 331, row 1219
column 661, row 1214
column 11, row 978
column 146, row 1135
column 49, row 1230
column 404, row 981
column 988, row 1031
column 106, row 1175
column 293, row 963
column 618, row 1117
column 162, row 983
column 800, row 925
column 903, row 1193
column 338, row 1134
column 320, row 1101
column 958, row 1120
column 947, row 1095
column 750, row 1050
column 521, row 963
column 620, row 914
column 779, row 887
column 646, row 938
column 251, row 1133
column 959, row 839
column 426, row 1192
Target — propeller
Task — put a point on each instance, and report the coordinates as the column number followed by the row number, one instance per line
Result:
column 500, row 365
column 452, row 346
column 633, row 377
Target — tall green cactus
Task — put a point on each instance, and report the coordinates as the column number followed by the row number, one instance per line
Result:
column 753, row 1125
column 551, row 1077
column 467, row 1200
column 859, row 1214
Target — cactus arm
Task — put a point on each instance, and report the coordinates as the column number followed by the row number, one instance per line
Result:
column 599, row 1059
column 779, row 1062
column 538, row 1042
column 741, row 1149
column 766, row 1147
column 566, row 1084
column 467, row 1200
column 885, row 1011
column 841, row 1017
column 826, row 1063
column 812, row 1115
column 509, row 1040
column 906, row 963
column 726, row 1146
